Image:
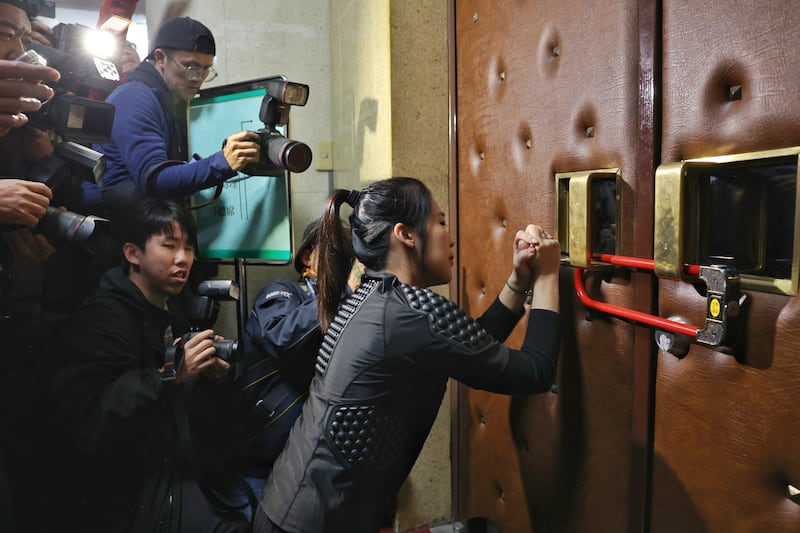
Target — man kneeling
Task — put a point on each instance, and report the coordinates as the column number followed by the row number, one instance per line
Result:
column 125, row 405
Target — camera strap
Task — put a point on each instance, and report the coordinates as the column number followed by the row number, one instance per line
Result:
column 170, row 371
column 152, row 172
column 217, row 193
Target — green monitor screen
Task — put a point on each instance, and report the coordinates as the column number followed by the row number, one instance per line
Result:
column 251, row 219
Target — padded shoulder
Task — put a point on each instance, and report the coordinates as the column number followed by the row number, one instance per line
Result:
column 446, row 319
column 366, row 436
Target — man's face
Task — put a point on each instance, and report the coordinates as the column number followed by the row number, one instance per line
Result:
column 129, row 60
column 162, row 268
column 173, row 68
column 15, row 31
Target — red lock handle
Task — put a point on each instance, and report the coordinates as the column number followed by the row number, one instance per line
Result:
column 631, row 314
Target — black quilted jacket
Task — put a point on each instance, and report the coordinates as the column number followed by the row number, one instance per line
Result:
column 381, row 375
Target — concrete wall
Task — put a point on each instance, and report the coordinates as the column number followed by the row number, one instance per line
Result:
column 420, row 118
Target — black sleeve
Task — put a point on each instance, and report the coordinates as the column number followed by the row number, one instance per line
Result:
column 104, row 394
column 439, row 337
column 534, row 365
column 499, row 321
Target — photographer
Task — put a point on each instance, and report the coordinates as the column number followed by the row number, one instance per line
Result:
column 22, row 205
column 147, row 154
column 124, row 404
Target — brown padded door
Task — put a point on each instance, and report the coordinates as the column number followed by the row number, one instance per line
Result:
column 546, row 87
column 727, row 438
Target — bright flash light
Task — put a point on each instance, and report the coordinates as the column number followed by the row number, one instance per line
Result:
column 100, row 43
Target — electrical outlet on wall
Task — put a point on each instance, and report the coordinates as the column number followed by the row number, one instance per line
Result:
column 324, row 155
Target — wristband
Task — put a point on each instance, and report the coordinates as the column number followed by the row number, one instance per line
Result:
column 526, row 292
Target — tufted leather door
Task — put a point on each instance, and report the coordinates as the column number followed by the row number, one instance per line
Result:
column 634, row 439
column 545, row 87
column 727, row 439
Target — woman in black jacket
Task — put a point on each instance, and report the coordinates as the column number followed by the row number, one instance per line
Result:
column 389, row 350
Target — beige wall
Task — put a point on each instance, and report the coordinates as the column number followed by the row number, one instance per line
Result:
column 379, row 92
column 361, row 91
column 390, row 107
column 419, row 96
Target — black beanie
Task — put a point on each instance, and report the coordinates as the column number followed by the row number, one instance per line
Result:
column 184, row 33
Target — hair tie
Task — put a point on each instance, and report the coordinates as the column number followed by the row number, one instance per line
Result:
column 352, row 198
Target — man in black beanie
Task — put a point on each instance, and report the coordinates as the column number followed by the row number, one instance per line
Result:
column 147, row 153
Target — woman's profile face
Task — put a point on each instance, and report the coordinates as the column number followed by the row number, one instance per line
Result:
column 439, row 253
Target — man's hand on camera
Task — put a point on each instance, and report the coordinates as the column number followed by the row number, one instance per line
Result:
column 241, row 149
column 199, row 358
column 22, row 88
column 23, row 202
column 41, row 33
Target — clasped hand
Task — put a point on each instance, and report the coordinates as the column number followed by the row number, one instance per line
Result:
column 535, row 253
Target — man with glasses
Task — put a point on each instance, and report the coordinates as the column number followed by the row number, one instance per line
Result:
column 147, row 153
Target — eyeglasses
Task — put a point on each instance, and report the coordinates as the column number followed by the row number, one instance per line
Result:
column 194, row 73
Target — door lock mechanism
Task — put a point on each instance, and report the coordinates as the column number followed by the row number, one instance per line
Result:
column 722, row 302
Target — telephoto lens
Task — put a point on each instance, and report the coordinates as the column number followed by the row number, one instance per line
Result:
column 65, row 227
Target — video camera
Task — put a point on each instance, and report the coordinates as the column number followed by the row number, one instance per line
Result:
column 70, row 113
column 279, row 153
column 203, row 315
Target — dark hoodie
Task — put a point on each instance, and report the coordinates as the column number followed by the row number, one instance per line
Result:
column 114, row 408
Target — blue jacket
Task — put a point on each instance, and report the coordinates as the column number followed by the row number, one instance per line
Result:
column 148, row 143
column 281, row 341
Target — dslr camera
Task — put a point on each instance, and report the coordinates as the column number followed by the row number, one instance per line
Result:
column 279, row 153
column 70, row 161
column 76, row 121
column 203, row 315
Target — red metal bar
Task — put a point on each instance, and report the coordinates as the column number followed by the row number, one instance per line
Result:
column 630, row 314
column 692, row 270
column 638, row 262
column 621, row 260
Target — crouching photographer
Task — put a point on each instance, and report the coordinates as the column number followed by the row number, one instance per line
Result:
column 125, row 407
